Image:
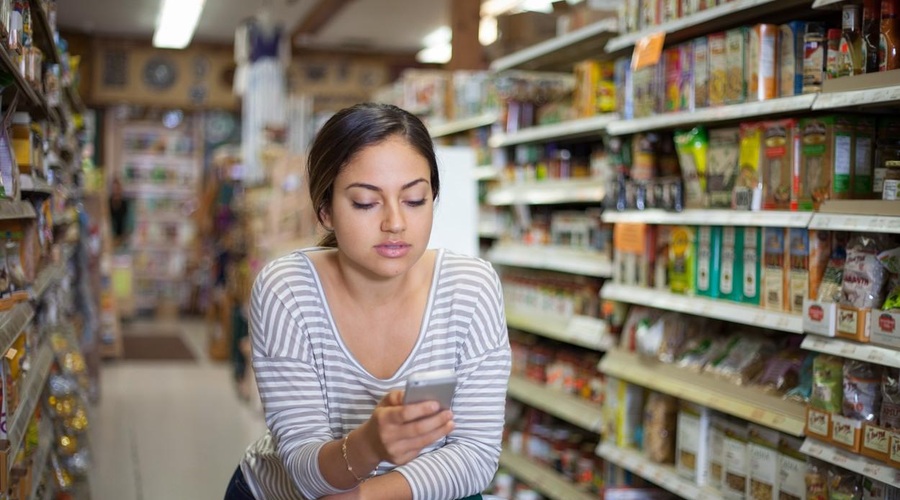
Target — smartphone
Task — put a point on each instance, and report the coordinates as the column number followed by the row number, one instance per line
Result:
column 438, row 385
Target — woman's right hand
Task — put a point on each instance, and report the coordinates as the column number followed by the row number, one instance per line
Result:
column 398, row 432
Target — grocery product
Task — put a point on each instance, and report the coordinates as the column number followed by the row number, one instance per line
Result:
column 889, row 37
column 692, row 147
column 852, row 59
column 762, row 450
column 870, row 25
column 775, row 269
column 762, row 62
column 729, row 269
column 814, row 51
column 722, row 167
column 861, row 390
column 718, row 69
column 736, row 463
column 780, row 140
column 736, row 41
column 660, row 421
column 692, row 443
column 827, row 390
column 682, row 260
column 791, row 58
column 751, row 238
column 708, row 266
column 700, row 74
column 864, row 149
column 747, row 193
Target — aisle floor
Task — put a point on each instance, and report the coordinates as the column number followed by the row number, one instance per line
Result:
column 169, row 429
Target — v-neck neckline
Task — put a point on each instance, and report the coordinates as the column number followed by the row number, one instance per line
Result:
column 426, row 317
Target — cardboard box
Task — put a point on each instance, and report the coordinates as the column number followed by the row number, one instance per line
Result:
column 846, row 433
column 747, row 192
column 791, row 468
column 885, row 328
column 864, row 153
column 723, row 165
column 763, row 452
column 778, row 163
column 736, row 41
column 775, row 269
column 894, row 457
column 682, row 260
column 718, row 69
column 798, row 268
column 673, row 62
column 825, row 161
column 709, row 244
column 790, row 43
column 762, row 61
column 729, row 268
column 818, row 424
column 819, row 253
column 692, row 442
column 876, row 442
column 751, row 275
column 700, row 74
column 820, row 318
column 853, row 323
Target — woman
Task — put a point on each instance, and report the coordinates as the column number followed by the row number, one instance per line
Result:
column 337, row 330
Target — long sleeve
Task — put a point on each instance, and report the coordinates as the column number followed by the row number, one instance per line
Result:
column 290, row 386
column 468, row 460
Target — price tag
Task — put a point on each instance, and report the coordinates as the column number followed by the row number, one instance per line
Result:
column 648, row 50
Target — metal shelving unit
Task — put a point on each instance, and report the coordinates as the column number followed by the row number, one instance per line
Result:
column 581, row 261
column 572, row 409
column 545, row 480
column 577, row 330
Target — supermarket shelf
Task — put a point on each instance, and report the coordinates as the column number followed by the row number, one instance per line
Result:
column 581, row 127
column 717, row 114
column 485, row 173
column 488, row 230
column 47, row 277
column 30, row 101
column 560, row 53
column 43, row 33
column 13, row 321
column 851, row 222
column 457, row 126
column 30, row 396
column 42, row 455
column 10, row 209
column 574, row 410
column 31, row 184
column 853, row 98
column 664, row 476
column 710, row 217
column 699, row 306
column 859, row 464
column 552, row 257
column 853, row 350
column 578, row 330
column 549, row 192
column 63, row 219
column 545, row 480
column 828, row 4
column 741, row 401
column 716, row 18
column 167, row 189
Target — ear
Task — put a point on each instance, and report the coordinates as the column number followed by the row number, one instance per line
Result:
column 325, row 219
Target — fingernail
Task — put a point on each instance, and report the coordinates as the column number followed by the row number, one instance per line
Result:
column 434, row 407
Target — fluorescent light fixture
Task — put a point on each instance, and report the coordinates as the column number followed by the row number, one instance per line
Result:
column 487, row 30
column 177, row 21
column 440, row 36
column 436, row 54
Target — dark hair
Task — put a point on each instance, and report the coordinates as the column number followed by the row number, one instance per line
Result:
column 350, row 131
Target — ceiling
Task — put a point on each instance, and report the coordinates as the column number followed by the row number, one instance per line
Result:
column 376, row 25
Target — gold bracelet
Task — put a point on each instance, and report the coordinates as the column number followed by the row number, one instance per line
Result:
column 347, row 461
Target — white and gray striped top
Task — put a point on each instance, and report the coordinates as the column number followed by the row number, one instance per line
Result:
column 313, row 390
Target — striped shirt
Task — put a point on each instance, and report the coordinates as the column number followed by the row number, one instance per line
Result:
column 314, row 391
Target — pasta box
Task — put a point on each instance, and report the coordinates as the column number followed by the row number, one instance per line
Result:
column 818, row 424
column 885, row 328
column 853, row 323
column 876, row 442
column 820, row 318
column 846, row 432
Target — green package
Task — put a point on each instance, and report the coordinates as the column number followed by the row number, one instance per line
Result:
column 692, row 147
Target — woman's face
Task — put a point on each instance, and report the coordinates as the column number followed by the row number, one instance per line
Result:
column 382, row 208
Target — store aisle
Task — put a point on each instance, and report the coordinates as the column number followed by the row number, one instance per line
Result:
column 173, row 429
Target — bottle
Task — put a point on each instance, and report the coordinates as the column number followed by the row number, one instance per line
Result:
column 851, row 57
column 833, row 54
column 889, row 39
column 870, row 31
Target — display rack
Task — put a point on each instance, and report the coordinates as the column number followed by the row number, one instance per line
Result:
column 30, row 396
column 41, row 456
column 714, row 115
column 713, row 19
column 560, row 258
column 572, row 409
column 850, row 222
column 711, row 217
column 464, row 124
column 14, row 209
column 543, row 479
column 574, row 129
column 853, row 350
column 558, row 54
column 700, row 306
column 826, row 101
column 583, row 331
column 549, row 192
column 851, row 461
column 13, row 321
column 664, row 476
column 748, row 403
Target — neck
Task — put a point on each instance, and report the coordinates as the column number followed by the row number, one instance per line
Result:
column 373, row 291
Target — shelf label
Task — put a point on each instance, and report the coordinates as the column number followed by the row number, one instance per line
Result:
column 648, row 50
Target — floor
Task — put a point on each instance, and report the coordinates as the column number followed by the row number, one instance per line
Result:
column 169, row 430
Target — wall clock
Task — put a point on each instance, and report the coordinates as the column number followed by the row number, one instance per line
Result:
column 160, row 73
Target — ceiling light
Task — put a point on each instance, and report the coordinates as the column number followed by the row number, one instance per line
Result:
column 439, row 36
column 177, row 22
column 436, row 54
column 487, row 30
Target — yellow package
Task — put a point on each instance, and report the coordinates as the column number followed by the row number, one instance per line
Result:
column 748, row 185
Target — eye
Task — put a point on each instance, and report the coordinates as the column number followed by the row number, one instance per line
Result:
column 363, row 206
column 416, row 203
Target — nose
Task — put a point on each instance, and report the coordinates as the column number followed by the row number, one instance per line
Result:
column 393, row 221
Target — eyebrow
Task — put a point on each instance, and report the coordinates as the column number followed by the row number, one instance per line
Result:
column 371, row 187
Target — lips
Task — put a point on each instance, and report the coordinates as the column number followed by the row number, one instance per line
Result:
column 393, row 250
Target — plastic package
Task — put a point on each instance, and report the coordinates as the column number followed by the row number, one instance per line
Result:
column 862, row 390
column 843, row 485
column 660, row 422
column 890, row 259
column 744, row 360
column 864, row 276
column 816, row 481
column 692, row 146
column 827, row 388
column 890, row 398
column 781, row 372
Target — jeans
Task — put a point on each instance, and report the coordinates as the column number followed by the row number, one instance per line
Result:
column 237, row 487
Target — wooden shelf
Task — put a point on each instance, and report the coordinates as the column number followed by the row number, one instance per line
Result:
column 664, row 476
column 31, row 184
column 740, row 401
column 586, row 262
column 577, row 330
column 562, row 52
column 12, row 209
column 582, row 127
column 572, row 409
column 543, row 479
column 853, row 350
column 700, row 306
column 464, row 124
column 549, row 192
column 710, row 217
column 713, row 115
column 859, row 464
column 720, row 17
column 48, row 276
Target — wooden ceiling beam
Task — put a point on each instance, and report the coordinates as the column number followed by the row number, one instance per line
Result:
column 319, row 15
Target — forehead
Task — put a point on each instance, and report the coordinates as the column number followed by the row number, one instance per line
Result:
column 390, row 158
